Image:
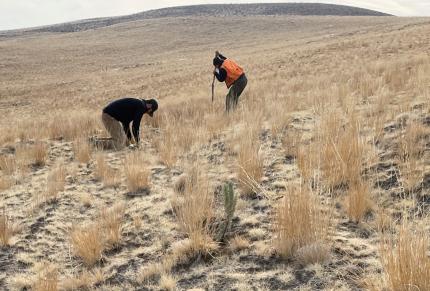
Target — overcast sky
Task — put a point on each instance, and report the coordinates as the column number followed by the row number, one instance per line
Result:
column 29, row 13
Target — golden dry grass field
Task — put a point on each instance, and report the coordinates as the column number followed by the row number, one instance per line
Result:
column 328, row 156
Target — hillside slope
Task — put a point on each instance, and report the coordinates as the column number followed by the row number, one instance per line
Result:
column 219, row 10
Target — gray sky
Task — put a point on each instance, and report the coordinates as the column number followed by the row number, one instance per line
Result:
column 29, row 13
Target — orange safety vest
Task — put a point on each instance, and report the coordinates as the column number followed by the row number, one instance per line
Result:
column 234, row 71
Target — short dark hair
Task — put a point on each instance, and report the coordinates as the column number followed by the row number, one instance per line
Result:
column 154, row 106
column 217, row 61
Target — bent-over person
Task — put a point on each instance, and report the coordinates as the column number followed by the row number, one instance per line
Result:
column 118, row 115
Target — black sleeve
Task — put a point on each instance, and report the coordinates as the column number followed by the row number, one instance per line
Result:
column 127, row 130
column 136, row 125
column 222, row 75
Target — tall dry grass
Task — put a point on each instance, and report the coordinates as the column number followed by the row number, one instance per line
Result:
column 250, row 162
column 342, row 150
column 405, row 259
column 301, row 226
column 194, row 211
column 359, row 200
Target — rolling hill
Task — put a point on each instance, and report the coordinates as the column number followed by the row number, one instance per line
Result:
column 218, row 10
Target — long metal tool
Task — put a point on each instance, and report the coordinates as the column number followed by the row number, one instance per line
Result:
column 213, row 89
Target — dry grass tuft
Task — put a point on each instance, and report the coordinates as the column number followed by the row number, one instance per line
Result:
column 238, row 243
column 8, row 164
column 55, row 183
column 406, row 260
column 83, row 281
column 180, row 184
column 105, row 173
column 317, row 252
column 167, row 282
column 359, row 201
column 34, row 154
column 86, row 199
column 149, row 273
column 7, row 230
column 82, row 151
column 111, row 221
column 300, row 222
column 250, row 163
column 47, row 278
column 194, row 210
column 342, row 150
column 87, row 242
column 136, row 174
column 39, row 153
column 6, row 183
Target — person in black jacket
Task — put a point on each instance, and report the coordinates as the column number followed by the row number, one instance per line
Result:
column 118, row 115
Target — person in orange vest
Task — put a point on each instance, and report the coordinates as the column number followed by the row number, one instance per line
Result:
column 228, row 71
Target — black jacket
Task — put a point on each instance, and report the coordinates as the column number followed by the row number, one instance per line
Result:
column 128, row 110
column 221, row 74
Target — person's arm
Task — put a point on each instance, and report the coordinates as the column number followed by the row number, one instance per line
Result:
column 220, row 74
column 221, row 56
column 127, row 130
column 136, row 125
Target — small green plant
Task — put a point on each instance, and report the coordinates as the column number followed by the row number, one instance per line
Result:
column 230, row 200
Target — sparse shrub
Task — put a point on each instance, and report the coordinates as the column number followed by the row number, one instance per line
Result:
column 88, row 243
column 300, row 222
column 405, row 259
